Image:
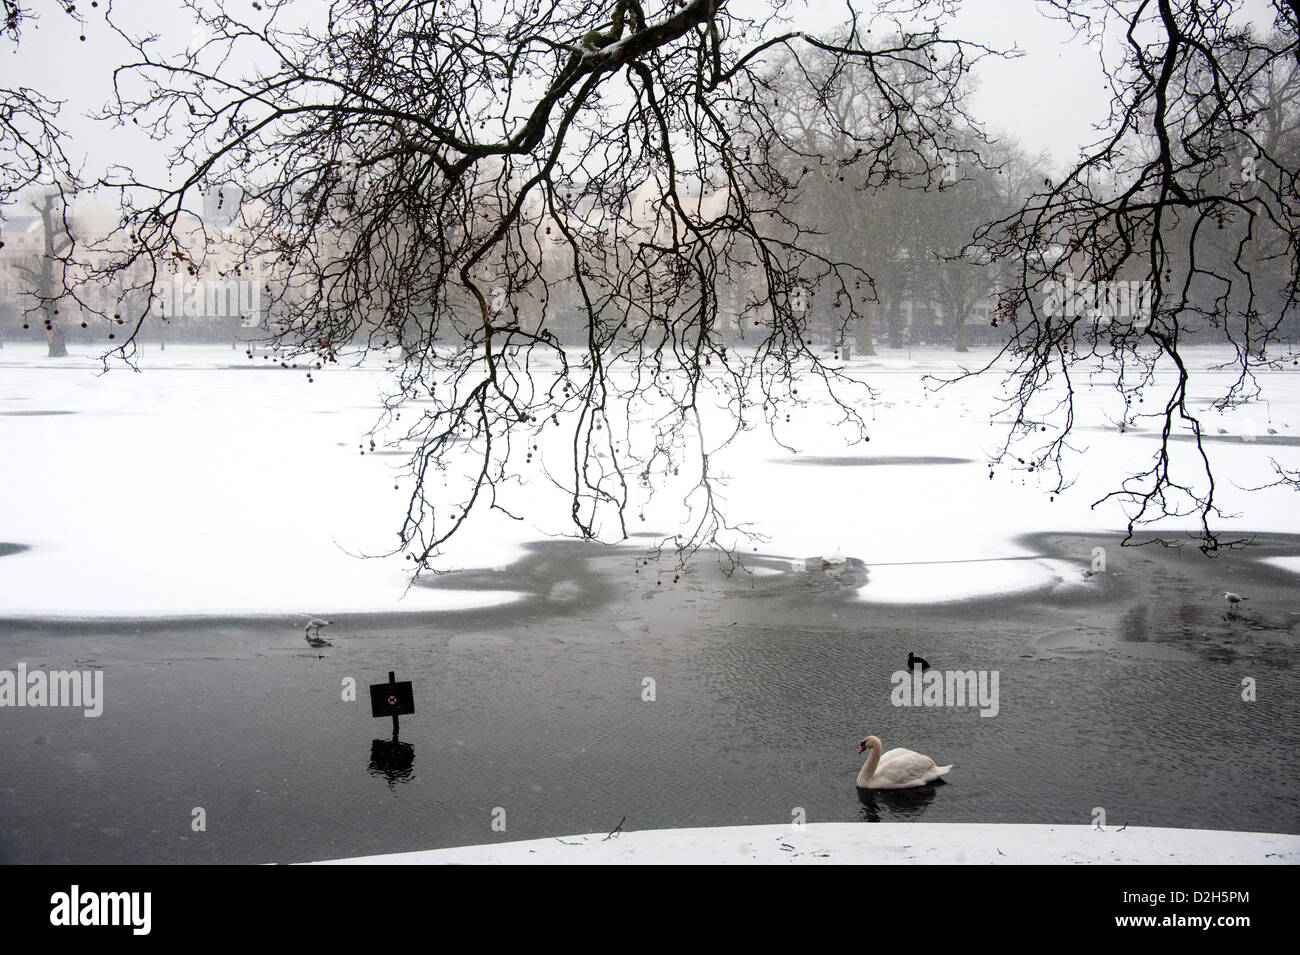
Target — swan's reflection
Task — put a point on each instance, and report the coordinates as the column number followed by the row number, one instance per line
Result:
column 896, row 804
column 393, row 760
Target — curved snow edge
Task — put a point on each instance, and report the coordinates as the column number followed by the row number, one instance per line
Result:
column 867, row 843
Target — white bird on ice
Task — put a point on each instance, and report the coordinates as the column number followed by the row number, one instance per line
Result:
column 1233, row 600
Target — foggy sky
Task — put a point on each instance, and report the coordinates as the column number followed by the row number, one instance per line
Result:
column 1048, row 99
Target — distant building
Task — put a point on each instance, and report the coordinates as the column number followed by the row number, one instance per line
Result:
column 24, row 240
column 20, row 234
column 206, row 290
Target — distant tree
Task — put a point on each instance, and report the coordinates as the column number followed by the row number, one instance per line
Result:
column 45, row 271
column 878, row 215
column 959, row 275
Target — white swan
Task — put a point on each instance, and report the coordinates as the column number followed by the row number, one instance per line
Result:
column 897, row 769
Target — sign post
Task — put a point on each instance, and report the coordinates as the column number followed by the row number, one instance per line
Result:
column 391, row 759
column 392, row 699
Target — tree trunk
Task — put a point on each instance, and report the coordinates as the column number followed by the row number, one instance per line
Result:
column 864, row 332
column 895, row 323
column 58, row 348
column 57, row 240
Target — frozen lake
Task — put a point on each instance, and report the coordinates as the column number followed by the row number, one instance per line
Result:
column 171, row 528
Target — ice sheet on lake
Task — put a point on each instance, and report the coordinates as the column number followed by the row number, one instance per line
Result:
column 194, row 488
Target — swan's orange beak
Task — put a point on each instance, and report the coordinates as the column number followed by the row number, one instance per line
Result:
column 862, row 749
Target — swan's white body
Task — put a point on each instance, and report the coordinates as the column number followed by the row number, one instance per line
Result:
column 897, row 769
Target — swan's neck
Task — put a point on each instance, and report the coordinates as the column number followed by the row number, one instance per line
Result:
column 869, row 767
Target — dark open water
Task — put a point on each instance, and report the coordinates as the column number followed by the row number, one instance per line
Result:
column 763, row 689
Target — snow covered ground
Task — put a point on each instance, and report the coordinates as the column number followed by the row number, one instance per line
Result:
column 198, row 488
column 211, row 484
column 905, row 843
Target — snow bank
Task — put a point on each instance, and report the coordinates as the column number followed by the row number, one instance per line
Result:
column 905, row 843
column 207, row 484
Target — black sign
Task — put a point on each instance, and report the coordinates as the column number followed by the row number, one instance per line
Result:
column 391, row 699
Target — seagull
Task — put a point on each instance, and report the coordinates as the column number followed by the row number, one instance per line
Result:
column 913, row 660
column 1233, row 600
column 312, row 633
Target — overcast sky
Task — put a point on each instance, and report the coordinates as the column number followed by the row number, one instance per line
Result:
column 1046, row 99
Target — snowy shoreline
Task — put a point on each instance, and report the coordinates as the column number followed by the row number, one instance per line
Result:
column 847, row 843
